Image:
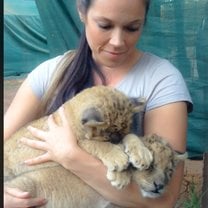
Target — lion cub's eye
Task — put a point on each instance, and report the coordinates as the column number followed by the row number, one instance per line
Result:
column 151, row 167
column 169, row 172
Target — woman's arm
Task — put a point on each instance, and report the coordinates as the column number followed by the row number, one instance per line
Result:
column 22, row 109
column 169, row 121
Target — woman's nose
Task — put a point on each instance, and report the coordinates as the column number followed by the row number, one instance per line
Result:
column 117, row 38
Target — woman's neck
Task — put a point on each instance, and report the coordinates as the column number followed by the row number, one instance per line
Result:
column 114, row 75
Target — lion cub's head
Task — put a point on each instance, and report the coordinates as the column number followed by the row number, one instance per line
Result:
column 104, row 113
column 154, row 179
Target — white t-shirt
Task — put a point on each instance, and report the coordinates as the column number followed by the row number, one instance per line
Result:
column 152, row 78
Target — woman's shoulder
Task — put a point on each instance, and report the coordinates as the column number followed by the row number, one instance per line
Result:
column 41, row 76
column 166, row 83
column 149, row 69
column 50, row 65
column 154, row 67
column 54, row 61
column 154, row 61
column 157, row 80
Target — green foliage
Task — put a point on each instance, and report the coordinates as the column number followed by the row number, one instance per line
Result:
column 194, row 198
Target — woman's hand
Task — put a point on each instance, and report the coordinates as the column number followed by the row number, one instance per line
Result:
column 58, row 142
column 15, row 198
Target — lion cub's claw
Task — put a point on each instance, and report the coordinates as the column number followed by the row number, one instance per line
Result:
column 116, row 162
column 119, row 179
column 141, row 158
column 139, row 155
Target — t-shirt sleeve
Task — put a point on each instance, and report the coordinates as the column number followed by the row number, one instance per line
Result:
column 40, row 77
column 167, row 86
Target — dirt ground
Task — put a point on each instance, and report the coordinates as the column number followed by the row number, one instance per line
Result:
column 193, row 168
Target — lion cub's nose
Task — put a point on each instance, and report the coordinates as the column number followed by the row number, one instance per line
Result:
column 158, row 187
column 115, row 138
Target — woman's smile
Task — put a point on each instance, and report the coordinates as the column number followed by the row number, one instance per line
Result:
column 114, row 54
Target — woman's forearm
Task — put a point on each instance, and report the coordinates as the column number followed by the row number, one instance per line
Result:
column 93, row 172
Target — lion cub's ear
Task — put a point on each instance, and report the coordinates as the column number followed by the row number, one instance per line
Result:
column 139, row 104
column 180, row 156
column 91, row 117
column 91, row 120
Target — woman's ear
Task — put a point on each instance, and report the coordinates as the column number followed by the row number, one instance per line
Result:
column 81, row 16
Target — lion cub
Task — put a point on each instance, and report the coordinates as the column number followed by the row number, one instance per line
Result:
column 101, row 118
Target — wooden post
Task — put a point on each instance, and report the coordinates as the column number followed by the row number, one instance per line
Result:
column 205, row 182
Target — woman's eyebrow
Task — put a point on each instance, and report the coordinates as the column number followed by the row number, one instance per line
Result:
column 137, row 21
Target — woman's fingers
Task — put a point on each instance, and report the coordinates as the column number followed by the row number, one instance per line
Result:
column 37, row 145
column 14, row 198
column 34, row 143
column 52, row 124
column 37, row 132
column 31, row 202
column 37, row 160
column 54, row 148
column 62, row 114
column 17, row 192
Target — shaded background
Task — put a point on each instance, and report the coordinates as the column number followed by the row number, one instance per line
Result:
column 36, row 30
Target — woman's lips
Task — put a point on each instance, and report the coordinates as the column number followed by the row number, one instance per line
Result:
column 114, row 53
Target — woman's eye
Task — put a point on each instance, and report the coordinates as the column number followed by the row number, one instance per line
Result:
column 105, row 27
column 132, row 29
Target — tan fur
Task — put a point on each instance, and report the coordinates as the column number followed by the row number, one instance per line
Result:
column 153, row 162
column 98, row 115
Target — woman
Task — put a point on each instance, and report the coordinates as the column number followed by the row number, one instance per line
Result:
column 107, row 55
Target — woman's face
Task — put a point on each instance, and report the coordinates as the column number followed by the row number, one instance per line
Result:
column 113, row 28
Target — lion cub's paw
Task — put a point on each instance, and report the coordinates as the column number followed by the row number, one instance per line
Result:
column 116, row 159
column 139, row 155
column 119, row 179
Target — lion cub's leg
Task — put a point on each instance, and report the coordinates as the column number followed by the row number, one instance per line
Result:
column 112, row 156
column 119, row 179
column 139, row 155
